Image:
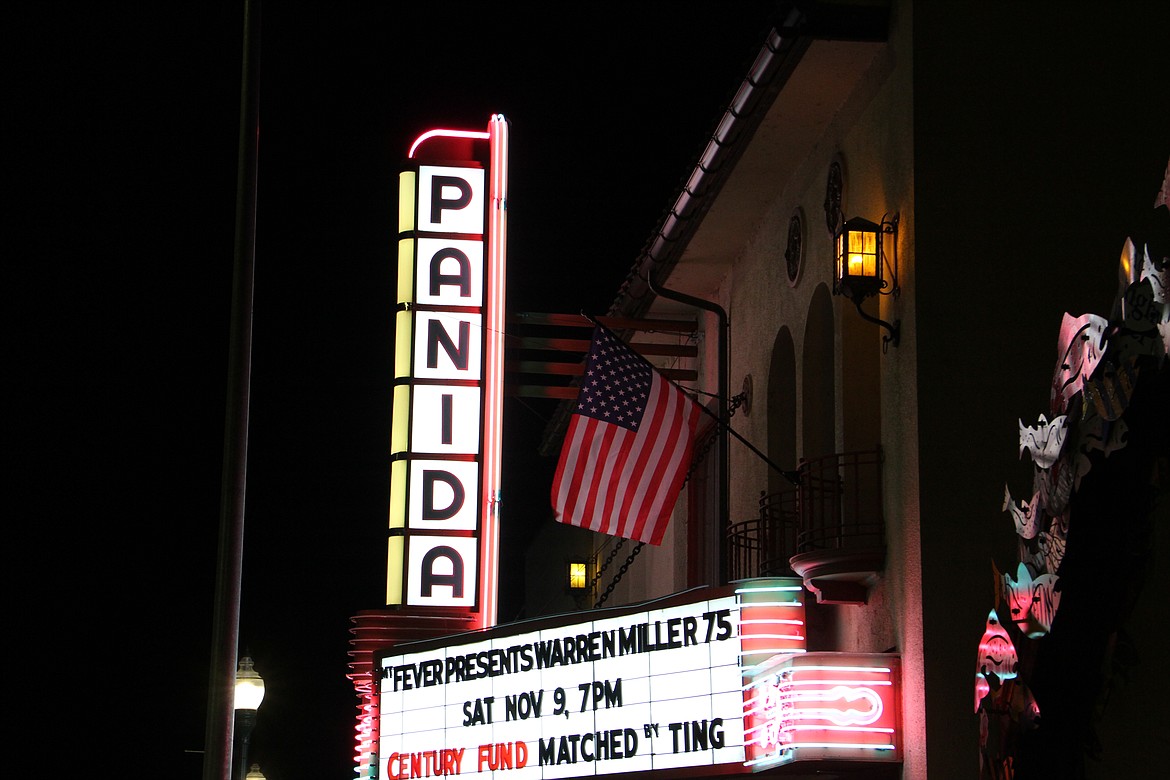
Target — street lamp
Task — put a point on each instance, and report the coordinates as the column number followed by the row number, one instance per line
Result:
column 255, row 774
column 249, row 694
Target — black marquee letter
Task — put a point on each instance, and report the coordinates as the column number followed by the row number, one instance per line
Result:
column 437, row 335
column 454, row 579
column 447, row 424
column 462, row 280
column 438, row 202
column 429, row 512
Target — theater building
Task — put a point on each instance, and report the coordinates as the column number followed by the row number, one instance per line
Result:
column 923, row 276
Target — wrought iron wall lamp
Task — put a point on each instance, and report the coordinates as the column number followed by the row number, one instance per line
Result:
column 861, row 267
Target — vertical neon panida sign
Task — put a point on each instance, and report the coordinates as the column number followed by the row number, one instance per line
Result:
column 448, row 373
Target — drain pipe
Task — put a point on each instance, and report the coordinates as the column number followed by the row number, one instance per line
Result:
column 724, row 395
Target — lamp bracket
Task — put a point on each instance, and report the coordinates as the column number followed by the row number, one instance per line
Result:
column 893, row 331
column 890, row 227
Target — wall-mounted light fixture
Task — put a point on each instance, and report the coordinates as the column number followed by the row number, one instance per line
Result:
column 578, row 579
column 862, row 264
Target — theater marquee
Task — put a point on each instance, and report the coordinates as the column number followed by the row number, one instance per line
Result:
column 661, row 686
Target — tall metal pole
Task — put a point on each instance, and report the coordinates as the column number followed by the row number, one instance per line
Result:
column 225, row 629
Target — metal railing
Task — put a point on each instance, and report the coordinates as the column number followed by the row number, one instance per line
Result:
column 836, row 506
column 841, row 502
column 761, row 546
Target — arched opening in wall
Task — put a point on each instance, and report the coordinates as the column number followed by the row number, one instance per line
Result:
column 818, row 421
column 779, row 516
column 782, row 409
column 860, row 379
column 818, row 391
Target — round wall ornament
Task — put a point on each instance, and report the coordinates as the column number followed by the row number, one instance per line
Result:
column 794, row 249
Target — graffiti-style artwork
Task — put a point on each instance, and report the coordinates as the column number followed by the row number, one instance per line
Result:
column 997, row 657
column 1044, row 441
column 1032, row 600
column 1157, row 274
column 1143, row 313
column 1143, row 283
column 1108, row 431
column 1109, row 390
column 1009, row 710
column 1005, row 706
column 1080, row 348
column 1025, row 514
column 1041, row 535
column 1051, row 544
column 1054, row 485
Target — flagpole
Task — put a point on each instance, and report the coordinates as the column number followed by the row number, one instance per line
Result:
column 724, row 424
column 791, row 476
column 220, row 726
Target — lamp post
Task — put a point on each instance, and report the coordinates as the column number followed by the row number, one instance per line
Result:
column 249, row 694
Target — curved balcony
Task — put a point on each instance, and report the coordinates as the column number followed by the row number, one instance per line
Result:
column 842, row 542
column 829, row 530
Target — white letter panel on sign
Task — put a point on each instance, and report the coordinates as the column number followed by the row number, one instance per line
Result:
column 444, row 494
column 448, row 345
column 451, row 200
column 443, row 571
column 445, row 420
column 450, row 272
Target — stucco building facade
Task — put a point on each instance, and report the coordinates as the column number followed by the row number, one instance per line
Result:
column 1010, row 152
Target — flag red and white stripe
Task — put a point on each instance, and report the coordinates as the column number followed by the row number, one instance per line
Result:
column 628, row 447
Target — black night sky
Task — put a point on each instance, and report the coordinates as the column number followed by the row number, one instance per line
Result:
column 121, row 192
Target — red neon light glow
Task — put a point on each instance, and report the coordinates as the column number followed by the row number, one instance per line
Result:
column 497, row 268
column 473, row 135
column 365, row 740
column 771, row 621
column 801, row 704
column 775, row 628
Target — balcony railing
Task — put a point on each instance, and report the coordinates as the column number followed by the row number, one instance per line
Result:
column 828, row 529
column 761, row 546
column 841, row 502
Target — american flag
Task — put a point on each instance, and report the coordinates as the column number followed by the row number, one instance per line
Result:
column 628, row 447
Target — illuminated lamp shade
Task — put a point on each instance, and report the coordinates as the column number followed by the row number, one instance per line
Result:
column 255, row 774
column 577, row 575
column 859, row 270
column 249, row 686
column 860, row 266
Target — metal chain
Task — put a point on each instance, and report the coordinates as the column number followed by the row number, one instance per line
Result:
column 735, row 403
column 709, row 442
column 621, row 573
column 608, row 560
